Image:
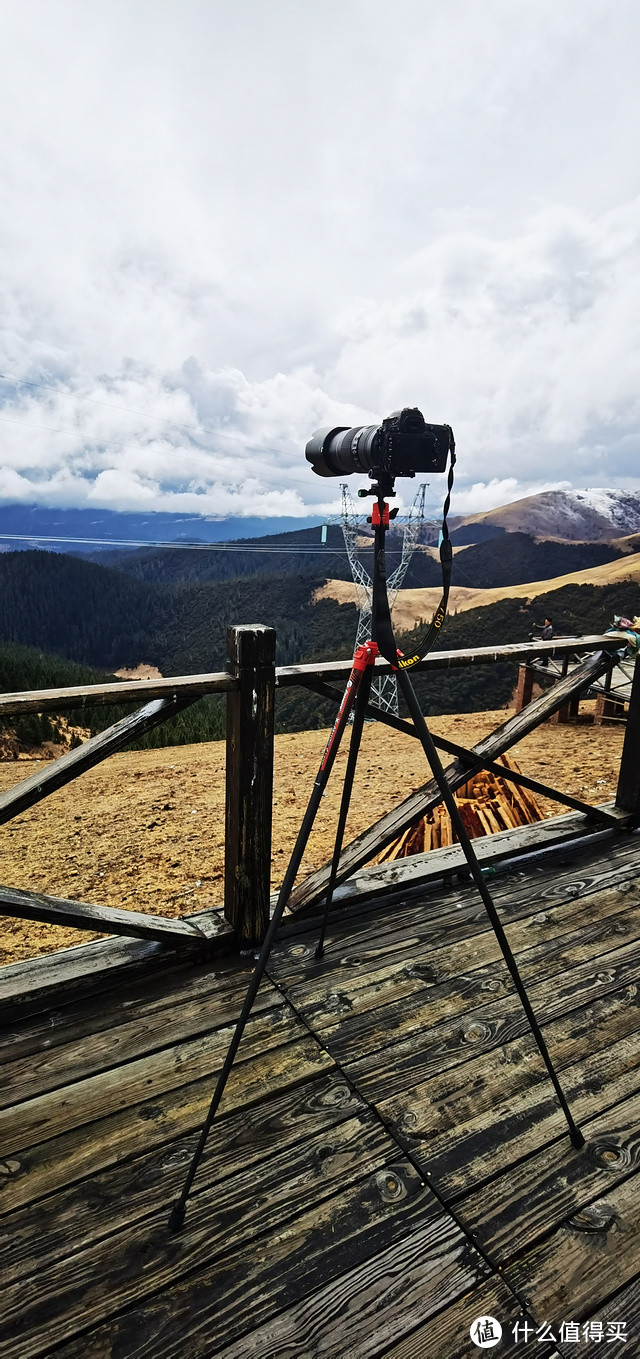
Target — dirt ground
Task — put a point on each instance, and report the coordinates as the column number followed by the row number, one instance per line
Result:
column 145, row 830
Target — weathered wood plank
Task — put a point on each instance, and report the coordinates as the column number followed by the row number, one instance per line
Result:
column 131, row 1190
column 491, row 849
column 214, row 1305
column 193, row 686
column 188, row 687
column 40, row 1169
column 454, row 660
column 220, row 1218
column 34, row 984
column 475, row 1120
column 353, row 984
column 86, row 756
column 517, row 890
column 447, row 1335
column 108, row 919
column 421, row 1042
column 360, row 1313
column 512, row 1212
column 416, row 934
column 624, row 1307
column 46, row 1116
column 594, row 1254
column 628, row 791
column 151, row 1028
column 378, row 836
column 125, row 1003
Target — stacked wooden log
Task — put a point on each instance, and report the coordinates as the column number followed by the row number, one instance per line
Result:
column 487, row 804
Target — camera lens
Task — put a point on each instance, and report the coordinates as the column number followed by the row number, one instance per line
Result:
column 341, row 451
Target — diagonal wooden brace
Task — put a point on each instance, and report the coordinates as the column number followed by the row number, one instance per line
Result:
column 74, row 762
column 101, row 919
column 378, row 836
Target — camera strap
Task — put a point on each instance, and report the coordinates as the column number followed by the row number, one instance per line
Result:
column 446, row 562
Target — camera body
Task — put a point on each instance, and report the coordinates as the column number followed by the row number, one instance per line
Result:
column 399, row 447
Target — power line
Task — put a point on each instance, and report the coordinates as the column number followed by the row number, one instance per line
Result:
column 182, row 547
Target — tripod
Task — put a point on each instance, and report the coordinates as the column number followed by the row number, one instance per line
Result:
column 355, row 699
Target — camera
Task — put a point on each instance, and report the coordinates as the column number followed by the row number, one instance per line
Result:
column 399, row 447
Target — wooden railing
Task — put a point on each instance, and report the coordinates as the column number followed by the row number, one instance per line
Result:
column 250, row 683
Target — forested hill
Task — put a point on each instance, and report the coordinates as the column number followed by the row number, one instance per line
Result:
column 102, row 617
column 513, row 559
column 301, row 554
column 517, row 559
column 25, row 667
column 577, row 610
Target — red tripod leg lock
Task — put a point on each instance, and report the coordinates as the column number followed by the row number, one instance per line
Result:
column 365, row 656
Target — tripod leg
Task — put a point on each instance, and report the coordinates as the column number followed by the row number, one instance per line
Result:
column 359, row 715
column 176, row 1217
column 469, row 853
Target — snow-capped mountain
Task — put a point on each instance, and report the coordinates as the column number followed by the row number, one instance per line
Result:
column 580, row 516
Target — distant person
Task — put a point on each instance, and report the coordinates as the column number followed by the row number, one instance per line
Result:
column 545, row 631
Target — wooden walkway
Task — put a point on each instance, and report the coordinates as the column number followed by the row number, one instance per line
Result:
column 391, row 1163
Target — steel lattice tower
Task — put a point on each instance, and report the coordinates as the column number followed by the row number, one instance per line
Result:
column 384, row 690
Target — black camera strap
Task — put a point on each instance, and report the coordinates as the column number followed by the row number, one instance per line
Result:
column 446, row 562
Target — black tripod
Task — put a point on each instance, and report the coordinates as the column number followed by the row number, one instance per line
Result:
column 355, row 699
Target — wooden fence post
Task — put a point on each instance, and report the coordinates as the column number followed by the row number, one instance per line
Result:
column 524, row 690
column 628, row 794
column 249, row 791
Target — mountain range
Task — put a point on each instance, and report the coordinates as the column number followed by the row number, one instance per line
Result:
column 595, row 515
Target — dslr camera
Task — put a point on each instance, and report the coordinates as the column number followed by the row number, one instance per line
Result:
column 399, row 447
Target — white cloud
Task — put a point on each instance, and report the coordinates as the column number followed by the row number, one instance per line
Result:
column 225, row 226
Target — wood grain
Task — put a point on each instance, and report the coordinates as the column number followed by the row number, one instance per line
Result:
column 46, row 1116
column 151, row 1029
column 510, row 1214
column 108, row 919
column 216, row 1304
column 82, row 1151
column 595, row 1252
column 362, row 1312
column 81, row 1214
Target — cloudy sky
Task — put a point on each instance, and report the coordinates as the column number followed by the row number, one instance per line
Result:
column 225, row 223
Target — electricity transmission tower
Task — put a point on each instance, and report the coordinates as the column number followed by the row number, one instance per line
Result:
column 384, row 690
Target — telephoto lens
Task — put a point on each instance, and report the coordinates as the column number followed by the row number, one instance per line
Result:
column 399, row 447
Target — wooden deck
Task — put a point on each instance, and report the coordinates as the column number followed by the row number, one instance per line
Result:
column 391, row 1163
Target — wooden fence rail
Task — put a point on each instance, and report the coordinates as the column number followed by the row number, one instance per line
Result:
column 136, row 691
column 250, row 683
